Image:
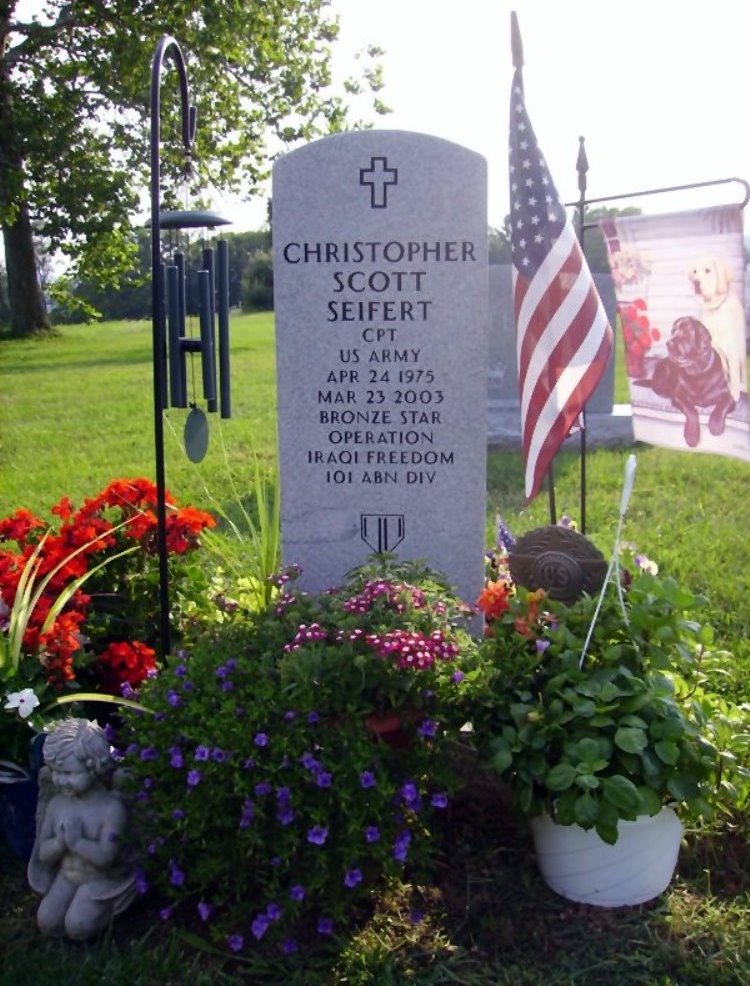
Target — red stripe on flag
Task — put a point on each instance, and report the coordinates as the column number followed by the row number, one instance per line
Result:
column 560, row 359
column 554, row 294
column 565, row 420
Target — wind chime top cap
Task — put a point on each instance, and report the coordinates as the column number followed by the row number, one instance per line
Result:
column 189, row 219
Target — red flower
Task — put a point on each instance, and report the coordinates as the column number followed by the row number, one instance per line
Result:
column 19, row 525
column 125, row 661
column 494, row 599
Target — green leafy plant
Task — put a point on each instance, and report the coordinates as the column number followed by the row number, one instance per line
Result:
column 262, row 803
column 77, row 604
column 597, row 725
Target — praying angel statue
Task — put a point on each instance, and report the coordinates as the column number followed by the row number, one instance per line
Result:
column 77, row 861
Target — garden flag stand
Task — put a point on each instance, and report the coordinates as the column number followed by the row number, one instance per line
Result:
column 542, row 433
column 169, row 310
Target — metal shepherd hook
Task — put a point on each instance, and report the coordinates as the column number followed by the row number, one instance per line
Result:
column 167, row 47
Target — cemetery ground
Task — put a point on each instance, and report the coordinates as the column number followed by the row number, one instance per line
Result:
column 77, row 410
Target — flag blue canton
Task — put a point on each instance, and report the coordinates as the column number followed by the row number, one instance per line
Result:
column 536, row 216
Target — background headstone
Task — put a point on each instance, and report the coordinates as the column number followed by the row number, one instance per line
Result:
column 607, row 423
column 380, row 293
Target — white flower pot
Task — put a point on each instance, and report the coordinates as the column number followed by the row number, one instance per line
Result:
column 579, row 866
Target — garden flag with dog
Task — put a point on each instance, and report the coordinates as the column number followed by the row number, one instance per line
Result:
column 679, row 281
column 563, row 338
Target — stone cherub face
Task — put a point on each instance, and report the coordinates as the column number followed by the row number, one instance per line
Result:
column 77, row 754
column 71, row 777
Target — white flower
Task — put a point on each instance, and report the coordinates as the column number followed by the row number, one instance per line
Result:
column 25, row 701
column 646, row 565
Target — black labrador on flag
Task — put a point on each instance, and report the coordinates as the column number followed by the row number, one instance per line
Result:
column 692, row 376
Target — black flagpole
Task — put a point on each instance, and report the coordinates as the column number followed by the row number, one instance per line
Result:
column 582, row 166
column 516, row 47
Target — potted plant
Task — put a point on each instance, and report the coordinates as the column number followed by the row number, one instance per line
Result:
column 382, row 647
column 598, row 715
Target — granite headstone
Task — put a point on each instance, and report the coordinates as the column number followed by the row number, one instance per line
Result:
column 380, row 293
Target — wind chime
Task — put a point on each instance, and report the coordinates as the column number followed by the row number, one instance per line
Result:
column 207, row 291
column 169, row 303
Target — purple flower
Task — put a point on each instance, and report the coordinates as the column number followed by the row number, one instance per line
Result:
column 180, row 670
column 141, row 883
column 401, row 846
column 367, row 779
column 174, row 699
column 289, row 715
column 416, row 917
column 410, row 794
column 289, row 946
column 178, row 814
column 248, row 764
column 317, row 835
column 323, row 778
column 439, row 800
column 187, row 686
column 204, row 910
column 297, row 892
column 175, row 757
column 261, row 739
column 458, row 677
column 285, row 815
column 372, row 833
column 541, row 645
column 149, row 753
column 273, row 912
column 312, row 718
column 193, row 778
column 202, row 753
column 283, row 795
column 352, row 878
column 227, row 686
column 260, row 926
column 308, row 760
column 176, row 876
column 428, row 728
column 236, row 942
column 263, row 788
column 248, row 813
column 218, row 755
column 166, row 913
column 325, row 926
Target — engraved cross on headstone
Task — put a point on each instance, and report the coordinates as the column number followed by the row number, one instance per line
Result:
column 378, row 176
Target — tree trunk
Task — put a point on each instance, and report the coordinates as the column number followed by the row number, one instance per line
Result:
column 28, row 313
column 27, row 308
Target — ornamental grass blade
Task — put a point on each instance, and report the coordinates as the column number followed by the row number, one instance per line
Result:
column 22, row 606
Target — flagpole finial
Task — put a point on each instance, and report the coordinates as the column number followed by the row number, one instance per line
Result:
column 516, row 45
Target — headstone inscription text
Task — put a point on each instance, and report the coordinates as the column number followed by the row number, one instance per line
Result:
column 380, row 295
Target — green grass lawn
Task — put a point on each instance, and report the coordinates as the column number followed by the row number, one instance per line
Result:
column 76, row 410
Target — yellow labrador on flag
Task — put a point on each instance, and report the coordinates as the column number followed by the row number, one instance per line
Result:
column 723, row 316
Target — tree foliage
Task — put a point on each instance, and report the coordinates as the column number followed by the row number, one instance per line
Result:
column 74, row 115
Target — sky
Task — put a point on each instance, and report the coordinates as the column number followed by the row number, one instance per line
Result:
column 657, row 87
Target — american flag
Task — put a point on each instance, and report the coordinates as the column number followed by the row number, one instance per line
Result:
column 563, row 338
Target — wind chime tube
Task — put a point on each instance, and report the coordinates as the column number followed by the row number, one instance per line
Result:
column 222, row 308
column 162, row 342
column 179, row 262
column 207, row 348
column 176, row 357
column 209, row 265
